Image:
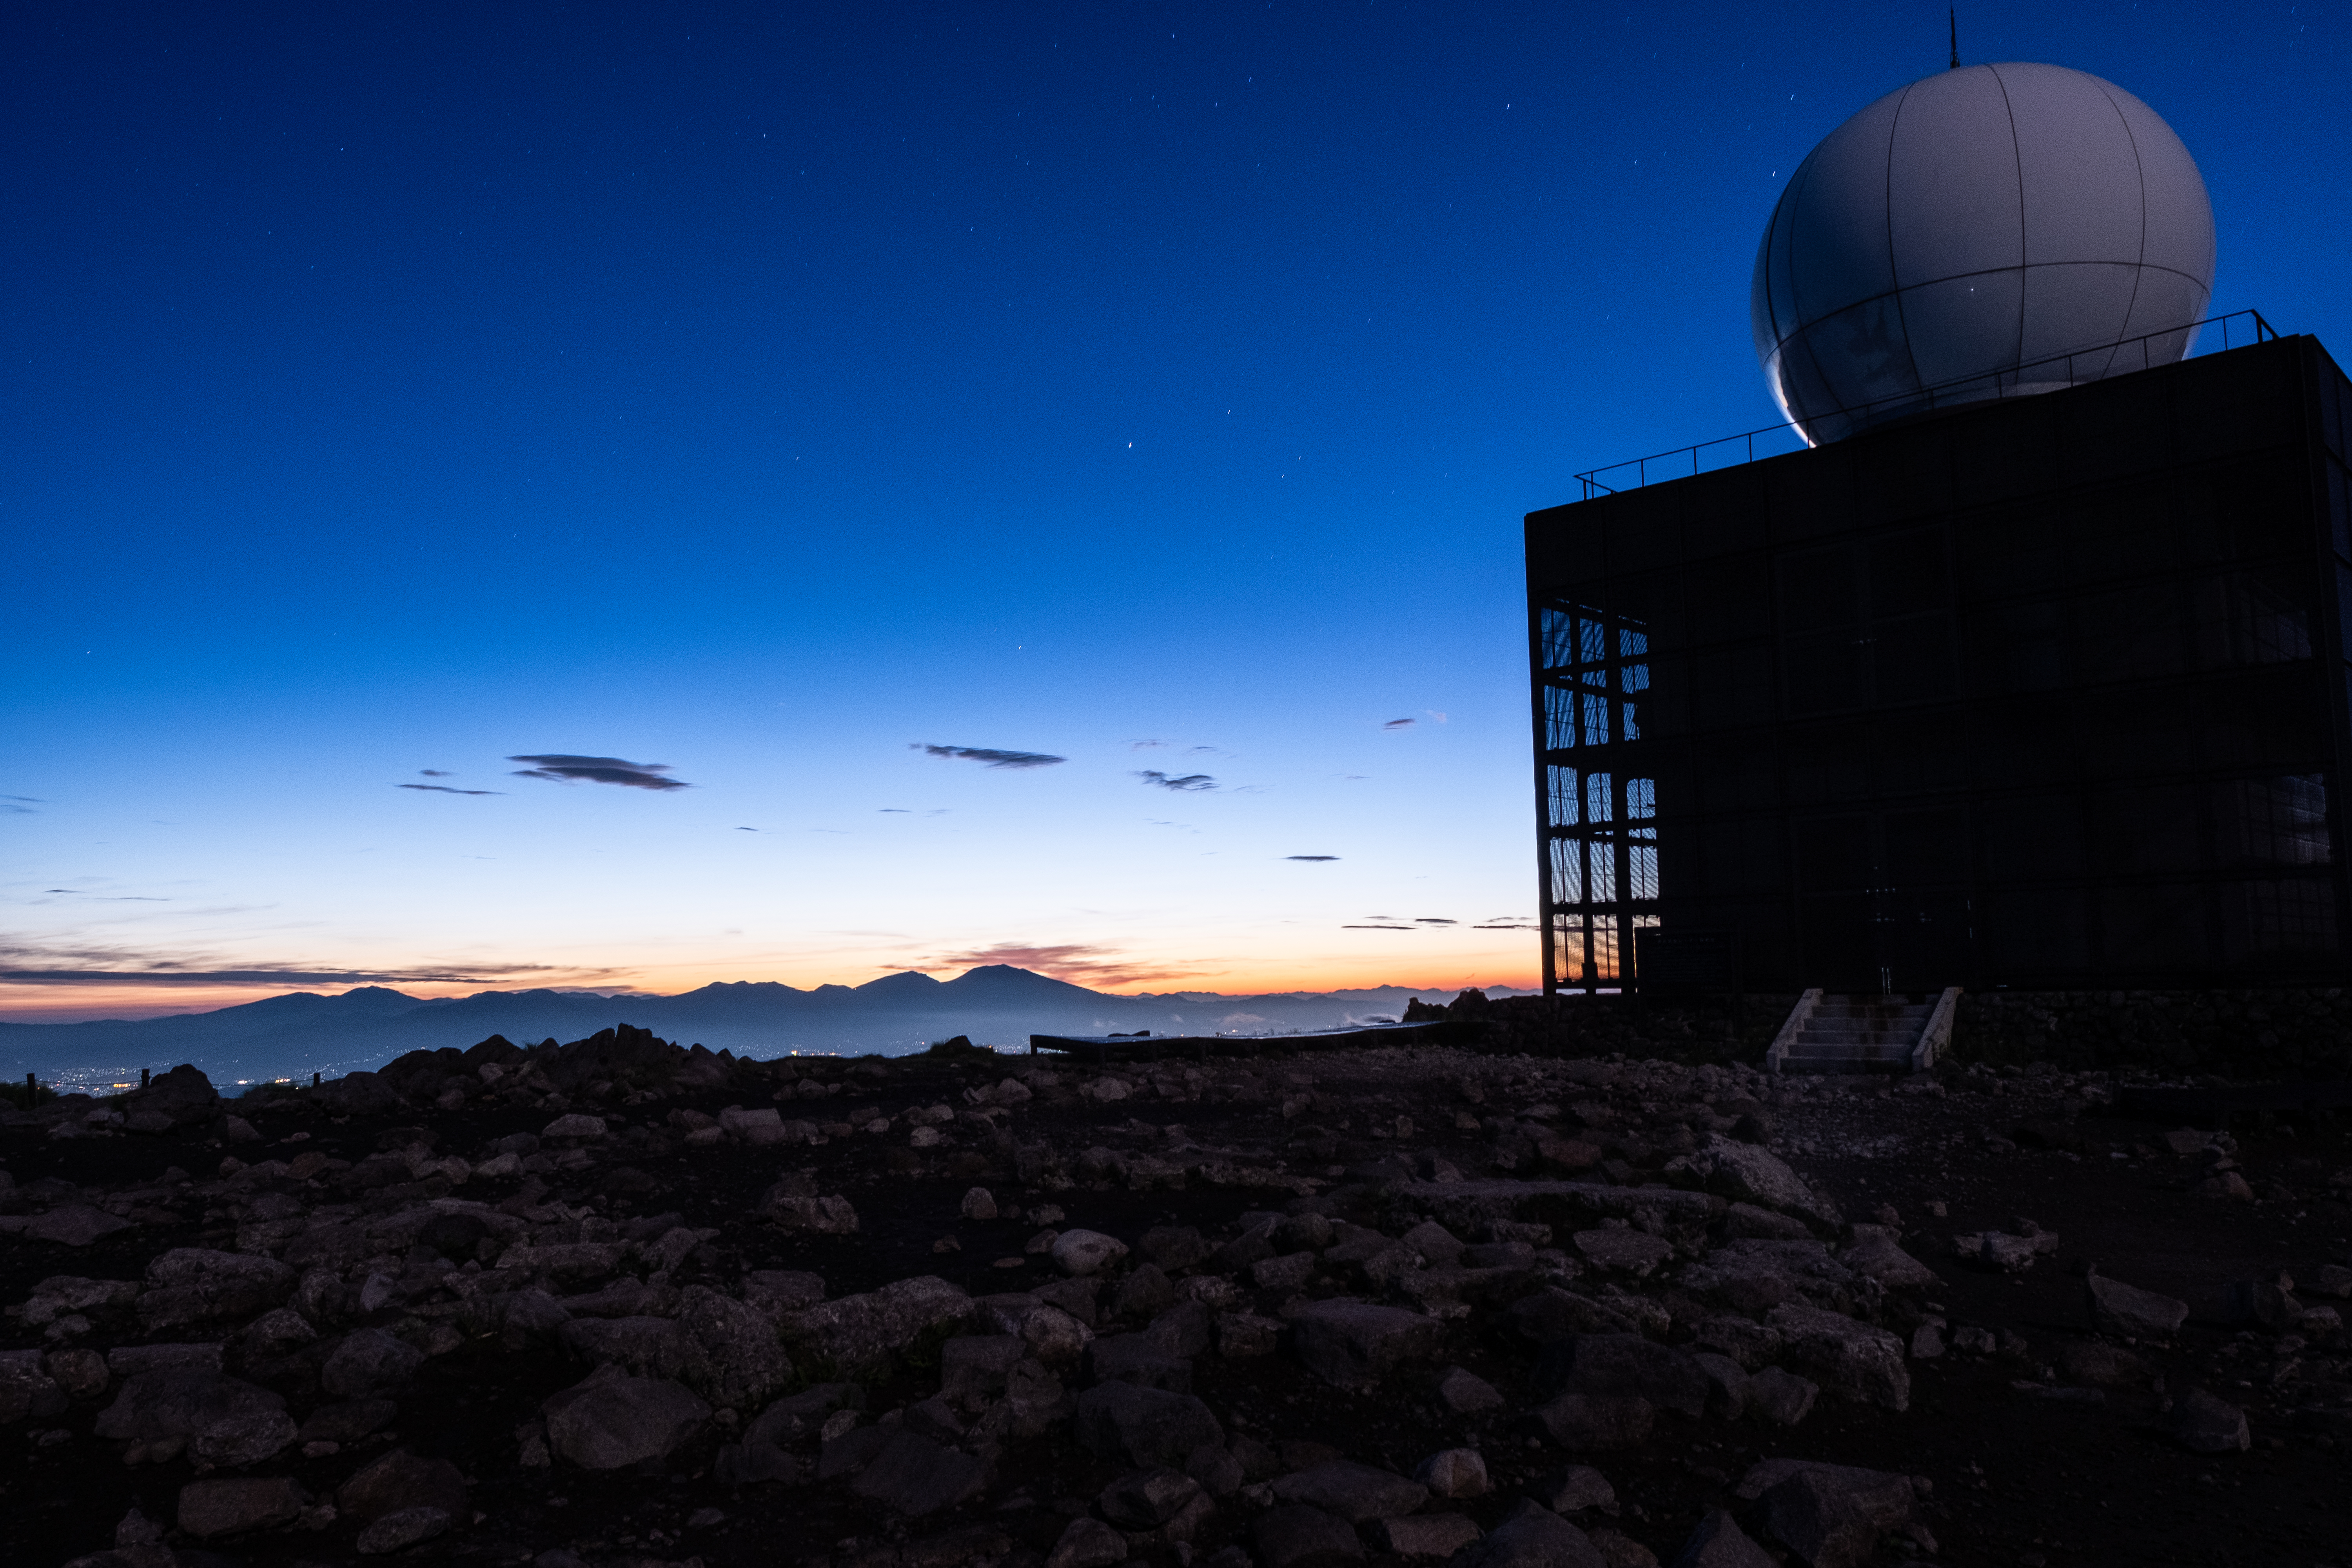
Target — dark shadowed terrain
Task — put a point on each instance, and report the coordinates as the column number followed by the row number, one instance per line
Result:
column 619, row 1304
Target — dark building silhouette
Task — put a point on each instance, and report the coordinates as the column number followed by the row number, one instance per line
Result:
column 2048, row 692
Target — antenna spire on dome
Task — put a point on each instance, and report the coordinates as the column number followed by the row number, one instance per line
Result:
column 1952, row 15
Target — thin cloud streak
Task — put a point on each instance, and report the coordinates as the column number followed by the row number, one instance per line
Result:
column 444, row 789
column 23, row 963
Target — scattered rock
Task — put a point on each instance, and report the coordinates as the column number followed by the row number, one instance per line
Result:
column 1626, row 1366
column 2204, row 1425
column 856, row 1336
column 1082, row 1252
column 1719, row 1542
column 1453, row 1473
column 2120, row 1309
column 1348, row 1342
column 1143, row 1426
column 1781, row 1399
column 184, row 1097
column 1087, row 1543
column 367, row 1360
column 1353, row 1491
column 191, row 1284
column 73, row 1225
column 612, row 1420
column 1755, row 1175
column 1295, row 1536
column 222, row 1421
column 1146, row 1500
column 1851, row 1359
column 1425, row 1536
column 1832, row 1516
column 913, row 1476
column 398, row 1532
column 1597, row 1422
column 1632, row 1252
column 2103, row 1366
column 1574, row 1487
column 210, row 1508
column 1466, row 1392
column 1532, row 1536
column 399, row 1480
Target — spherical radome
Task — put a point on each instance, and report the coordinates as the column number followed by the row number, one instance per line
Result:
column 1973, row 222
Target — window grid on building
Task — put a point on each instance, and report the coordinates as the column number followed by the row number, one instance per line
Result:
column 1600, row 824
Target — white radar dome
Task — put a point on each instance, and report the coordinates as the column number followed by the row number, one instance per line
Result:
column 1986, row 232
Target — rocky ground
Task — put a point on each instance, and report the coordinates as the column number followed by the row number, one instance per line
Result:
column 617, row 1303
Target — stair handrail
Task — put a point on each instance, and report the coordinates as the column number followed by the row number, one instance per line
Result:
column 1936, row 1035
column 1786, row 1040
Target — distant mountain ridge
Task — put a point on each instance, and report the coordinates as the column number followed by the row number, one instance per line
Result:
column 305, row 1032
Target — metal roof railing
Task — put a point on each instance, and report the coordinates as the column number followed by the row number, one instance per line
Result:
column 1778, row 439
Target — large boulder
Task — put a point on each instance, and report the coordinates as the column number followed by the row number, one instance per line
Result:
column 1353, row 1491
column 195, row 1285
column 1297, row 1535
column 1876, row 1253
column 180, row 1098
column 1622, row 1364
column 73, row 1225
column 1532, row 1536
column 2120, row 1309
column 1347, row 1342
column 647, row 1347
column 230, row 1506
column 222, row 1421
column 731, row 1353
column 791, row 1208
column 358, row 1094
column 2204, row 1425
column 1755, row 1274
column 612, row 1420
column 1121, row 1421
column 867, row 1335
column 914, row 1476
column 398, row 1532
column 1831, row 1516
column 1847, row 1357
column 1078, row 1252
column 1719, row 1542
column 368, row 1359
column 26, row 1389
column 1592, row 1423
column 399, row 1480
column 1750, row 1173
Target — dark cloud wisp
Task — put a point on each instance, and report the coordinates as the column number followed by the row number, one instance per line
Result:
column 988, row 755
column 1182, row 784
column 444, row 789
column 1310, row 857
column 1079, row 964
column 561, row 768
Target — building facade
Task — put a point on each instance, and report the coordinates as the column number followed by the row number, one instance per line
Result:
column 2044, row 693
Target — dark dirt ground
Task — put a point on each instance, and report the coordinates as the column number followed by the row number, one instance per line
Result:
column 2017, row 1479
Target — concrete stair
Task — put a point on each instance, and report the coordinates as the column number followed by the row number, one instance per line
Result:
column 1834, row 1034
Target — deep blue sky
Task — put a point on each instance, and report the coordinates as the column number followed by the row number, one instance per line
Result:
column 760, row 389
